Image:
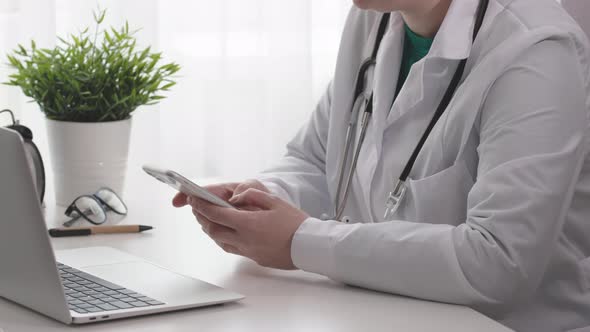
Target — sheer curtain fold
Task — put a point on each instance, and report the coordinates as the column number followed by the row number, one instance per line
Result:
column 21, row 21
column 252, row 72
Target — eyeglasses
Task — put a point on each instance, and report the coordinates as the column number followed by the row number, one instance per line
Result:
column 94, row 207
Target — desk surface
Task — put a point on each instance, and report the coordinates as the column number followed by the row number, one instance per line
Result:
column 275, row 300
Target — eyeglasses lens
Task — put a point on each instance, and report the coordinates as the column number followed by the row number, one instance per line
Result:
column 112, row 200
column 91, row 209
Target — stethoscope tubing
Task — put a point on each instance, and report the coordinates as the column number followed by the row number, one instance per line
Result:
column 357, row 104
column 358, row 91
column 364, row 126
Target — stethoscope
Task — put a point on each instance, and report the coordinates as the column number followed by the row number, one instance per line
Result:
column 360, row 99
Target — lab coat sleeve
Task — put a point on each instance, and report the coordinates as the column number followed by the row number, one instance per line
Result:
column 300, row 176
column 532, row 144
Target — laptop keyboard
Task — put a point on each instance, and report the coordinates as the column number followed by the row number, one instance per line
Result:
column 86, row 293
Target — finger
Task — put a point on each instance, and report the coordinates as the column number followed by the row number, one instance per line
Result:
column 179, row 200
column 216, row 231
column 255, row 197
column 241, row 188
column 224, row 190
column 222, row 234
column 201, row 219
column 249, row 184
column 228, row 217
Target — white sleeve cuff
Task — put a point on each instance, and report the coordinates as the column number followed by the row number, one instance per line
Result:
column 312, row 248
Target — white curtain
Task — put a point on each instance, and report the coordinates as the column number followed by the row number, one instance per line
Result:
column 252, row 71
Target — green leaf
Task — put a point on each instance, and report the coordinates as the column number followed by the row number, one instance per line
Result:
column 99, row 15
column 168, row 86
column 22, row 50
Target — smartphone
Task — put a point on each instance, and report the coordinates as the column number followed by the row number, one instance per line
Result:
column 185, row 186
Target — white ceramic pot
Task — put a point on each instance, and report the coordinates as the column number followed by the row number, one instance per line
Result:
column 87, row 156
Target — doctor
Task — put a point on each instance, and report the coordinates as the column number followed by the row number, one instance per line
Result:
column 494, row 210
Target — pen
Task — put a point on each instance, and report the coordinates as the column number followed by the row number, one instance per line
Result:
column 78, row 231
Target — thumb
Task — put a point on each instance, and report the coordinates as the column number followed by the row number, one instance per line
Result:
column 254, row 197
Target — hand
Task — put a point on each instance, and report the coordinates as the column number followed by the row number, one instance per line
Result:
column 264, row 235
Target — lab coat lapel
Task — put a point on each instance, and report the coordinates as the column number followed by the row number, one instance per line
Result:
column 429, row 77
column 454, row 38
column 387, row 74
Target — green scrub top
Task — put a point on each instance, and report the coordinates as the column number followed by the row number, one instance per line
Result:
column 416, row 47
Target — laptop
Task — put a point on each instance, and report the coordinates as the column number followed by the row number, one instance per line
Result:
column 83, row 285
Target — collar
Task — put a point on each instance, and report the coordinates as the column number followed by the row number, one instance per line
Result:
column 454, row 38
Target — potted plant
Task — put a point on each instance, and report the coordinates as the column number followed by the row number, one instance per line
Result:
column 88, row 86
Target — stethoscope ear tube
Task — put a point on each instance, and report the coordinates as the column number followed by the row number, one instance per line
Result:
column 364, row 125
column 343, row 163
column 364, row 69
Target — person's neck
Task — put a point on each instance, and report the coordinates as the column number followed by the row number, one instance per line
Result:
column 426, row 21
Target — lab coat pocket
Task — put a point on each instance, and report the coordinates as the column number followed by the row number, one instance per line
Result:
column 440, row 198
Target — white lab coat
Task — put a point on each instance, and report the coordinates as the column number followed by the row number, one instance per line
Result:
column 497, row 215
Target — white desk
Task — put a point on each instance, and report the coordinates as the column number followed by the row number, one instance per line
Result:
column 275, row 300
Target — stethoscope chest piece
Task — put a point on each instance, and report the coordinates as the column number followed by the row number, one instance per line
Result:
column 394, row 199
column 344, row 219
